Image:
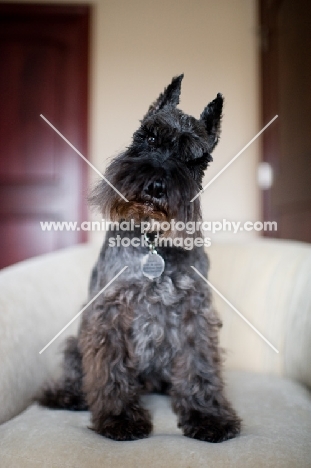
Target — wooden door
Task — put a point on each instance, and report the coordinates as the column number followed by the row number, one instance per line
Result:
column 44, row 70
column 286, row 91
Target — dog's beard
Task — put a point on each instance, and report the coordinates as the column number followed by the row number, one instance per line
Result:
column 152, row 218
column 144, row 211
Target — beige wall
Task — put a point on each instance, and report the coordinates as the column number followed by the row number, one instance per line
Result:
column 141, row 44
column 138, row 45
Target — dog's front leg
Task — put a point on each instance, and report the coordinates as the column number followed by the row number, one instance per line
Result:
column 197, row 388
column 110, row 381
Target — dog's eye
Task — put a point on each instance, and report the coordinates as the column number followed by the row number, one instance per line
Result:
column 151, row 140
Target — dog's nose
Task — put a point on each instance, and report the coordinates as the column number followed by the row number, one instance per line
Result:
column 156, row 189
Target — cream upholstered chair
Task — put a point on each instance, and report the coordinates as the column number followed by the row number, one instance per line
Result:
column 269, row 282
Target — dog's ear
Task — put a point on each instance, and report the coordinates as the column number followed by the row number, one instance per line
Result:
column 211, row 116
column 169, row 97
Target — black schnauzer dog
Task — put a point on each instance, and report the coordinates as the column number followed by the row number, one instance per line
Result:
column 154, row 327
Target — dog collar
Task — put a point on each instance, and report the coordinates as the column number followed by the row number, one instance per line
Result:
column 152, row 264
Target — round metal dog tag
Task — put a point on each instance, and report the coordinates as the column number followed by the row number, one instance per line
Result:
column 152, row 265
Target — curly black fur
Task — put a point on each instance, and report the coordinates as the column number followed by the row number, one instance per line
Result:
column 141, row 335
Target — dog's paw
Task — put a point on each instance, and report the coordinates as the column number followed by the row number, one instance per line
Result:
column 126, row 426
column 56, row 396
column 210, row 428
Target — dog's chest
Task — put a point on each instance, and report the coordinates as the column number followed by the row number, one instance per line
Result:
column 156, row 328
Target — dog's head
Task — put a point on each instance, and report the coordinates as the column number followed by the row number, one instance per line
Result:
column 162, row 170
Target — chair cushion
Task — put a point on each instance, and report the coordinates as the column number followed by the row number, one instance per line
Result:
column 276, row 415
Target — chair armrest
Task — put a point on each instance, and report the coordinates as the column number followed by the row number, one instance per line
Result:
column 38, row 298
column 269, row 282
